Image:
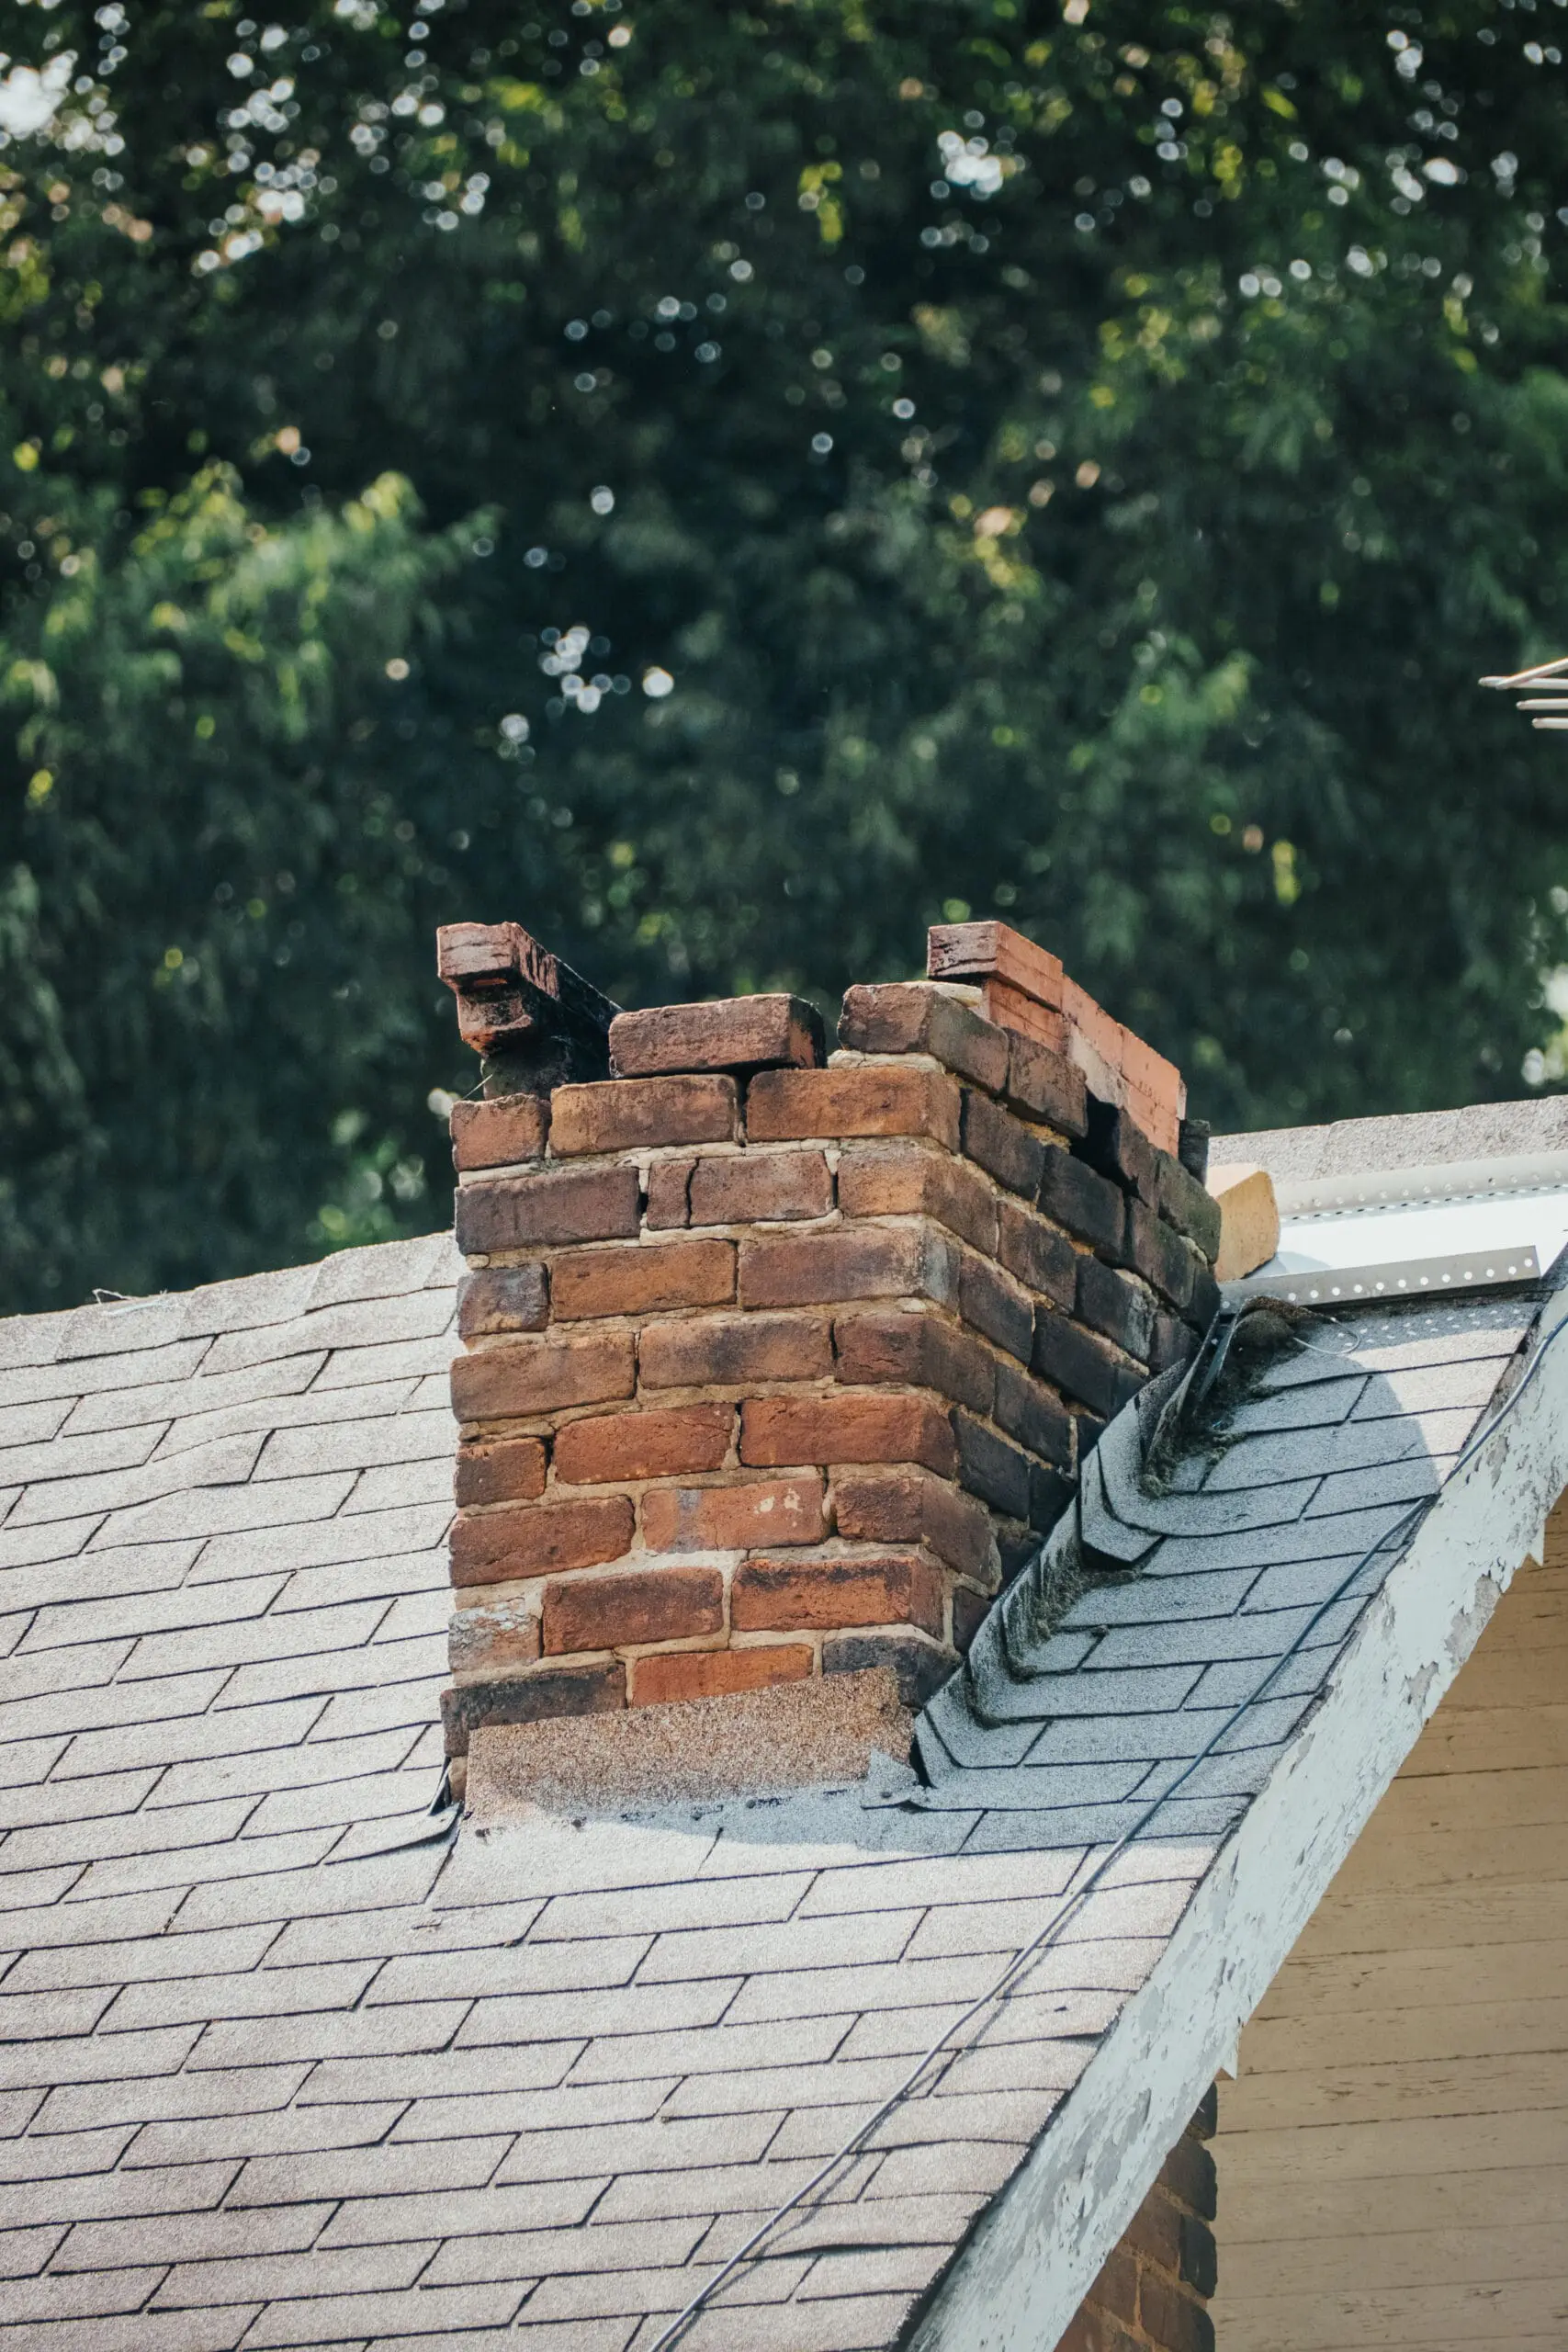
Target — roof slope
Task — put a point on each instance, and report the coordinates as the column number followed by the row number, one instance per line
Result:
column 276, row 2074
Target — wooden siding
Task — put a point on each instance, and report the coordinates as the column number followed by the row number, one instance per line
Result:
column 1393, row 2155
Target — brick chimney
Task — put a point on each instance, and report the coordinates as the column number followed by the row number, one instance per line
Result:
column 775, row 1366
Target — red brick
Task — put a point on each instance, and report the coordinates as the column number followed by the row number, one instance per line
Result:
column 732, row 1032
column 1003, row 1145
column 1092, row 2331
column 557, row 1205
column 611, row 1613
column 634, row 1281
column 499, row 1132
column 1155, row 2232
column 519, row 1378
column 906, row 1506
column 493, row 1641
column 858, row 1099
column 851, row 1261
column 1116, row 2289
column 988, row 949
column 669, row 1186
column 1040, row 1255
column 619, row 1446
column 914, row 1350
column 910, row 1180
column 733, row 1518
column 1172, row 2317
column 531, row 1697
column 761, row 1187
column 532, row 1539
column 629, row 1114
column 713, row 1674
column 507, row 1470
column 825, row 1595
column 1046, row 1086
column 504, row 1298
column 911, row 1017
column 970, row 1611
column 726, row 1351
column 847, row 1428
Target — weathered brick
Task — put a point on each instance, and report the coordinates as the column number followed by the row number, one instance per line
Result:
column 530, row 1698
column 519, row 1378
column 911, row 1506
column 1085, row 1366
column 914, row 1350
column 1171, row 2317
column 733, row 1518
column 1046, row 1086
column 1002, row 1145
column 996, row 1304
column 648, row 1278
column 1034, row 1417
column 851, row 1261
column 631, row 1113
column 1160, row 1255
column 726, row 1351
column 1116, row 2290
column 794, row 1596
column 1082, row 1201
column 1204, row 1304
column 1189, row 2172
column 731, row 1033
column 912, row 1180
column 1172, row 1341
column 919, row 1667
column 652, row 1605
column 970, row 1611
column 849, row 1426
column 1199, row 2266
column 621, row 1446
column 1040, row 1255
column 1186, row 1203
column 761, row 1187
column 713, row 1674
column 1050, row 1492
column 911, row 1017
column 669, row 1195
column 493, row 1641
column 992, row 1468
column 533, row 1538
column 1094, row 2331
column 502, row 1298
column 555, row 1206
column 1154, row 2232
column 1117, row 1148
column 853, row 1099
column 499, row 1131
column 1116, row 1305
column 503, row 1470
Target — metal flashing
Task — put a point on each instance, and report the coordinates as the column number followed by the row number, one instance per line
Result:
column 1494, row 1269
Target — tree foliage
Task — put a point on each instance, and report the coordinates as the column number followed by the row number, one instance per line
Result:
column 728, row 487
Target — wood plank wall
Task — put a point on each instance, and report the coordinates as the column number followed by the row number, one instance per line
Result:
column 1393, row 2155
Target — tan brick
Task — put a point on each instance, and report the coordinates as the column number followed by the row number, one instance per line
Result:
column 775, row 1430
column 855, row 1099
column 911, row 1180
column 622, row 1446
column 652, row 1605
column 669, row 1182
column 533, row 1538
column 733, row 1518
column 496, row 1640
column 653, row 1276
column 499, row 1131
column 827, row 1594
column 504, row 1298
column 630, row 1113
column 909, row 1506
column 555, row 1206
column 727, row 1350
column 519, row 1378
column 761, row 1187
column 731, row 1033
column 505, row 1470
column 911, row 1017
column 851, row 1261
column 890, row 1344
column 712, row 1674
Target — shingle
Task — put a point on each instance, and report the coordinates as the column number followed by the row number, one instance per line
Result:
column 156, row 1487
column 529, row 1967
column 128, row 1368
column 385, row 1930
column 40, row 1675
column 403, row 1484
column 386, row 1576
column 578, row 2015
column 588, row 2296
column 128, row 1832
column 457, row 2213
column 418, row 2311
column 226, row 1510
column 324, row 1541
column 720, row 2049
column 440, row 2166
column 62, row 1458
column 200, row 1995
column 130, row 1742
column 72, row 1585
column 309, row 1409
column 390, row 1360
column 390, row 2033
column 565, row 2106
column 364, row 1797
column 389, row 1436
column 652, row 2147
column 200, row 1393
column 95, row 2058
column 191, row 2236
column 111, row 2196
column 39, row 1887
column 143, row 1613
column 239, row 1639
column 800, row 1943
column 336, row 2147
column 78, row 2295
column 58, row 1539
column 254, row 2278
column 896, row 1984
column 353, row 1323
column 61, row 2156
column 387, row 1269
column 1257, row 1633
column 176, row 2332
column 167, row 2097
column 242, row 1860
column 296, row 1895
column 868, row 2323
column 565, row 2253
column 738, row 2188
column 300, row 1670
column 786, row 2085
column 24, row 2252
column 273, row 1772
column 355, row 1713
column 42, row 2017
column 1160, row 1600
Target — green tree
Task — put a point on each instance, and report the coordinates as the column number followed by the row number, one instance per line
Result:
column 728, row 487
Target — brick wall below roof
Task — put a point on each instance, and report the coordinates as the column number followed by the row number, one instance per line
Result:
column 1153, row 2292
column 778, row 1373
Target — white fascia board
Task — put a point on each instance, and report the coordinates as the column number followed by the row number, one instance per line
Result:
column 1017, row 2283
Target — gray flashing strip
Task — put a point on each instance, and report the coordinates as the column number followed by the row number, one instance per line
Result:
column 1415, row 1278
column 1455, row 1180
